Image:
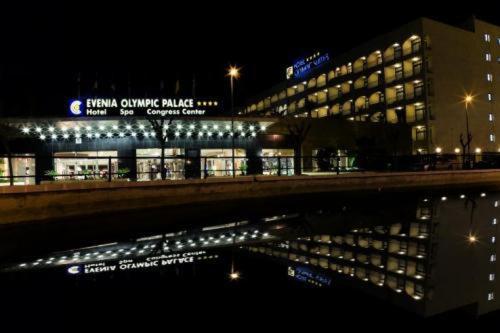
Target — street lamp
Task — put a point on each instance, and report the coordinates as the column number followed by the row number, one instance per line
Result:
column 233, row 73
column 467, row 100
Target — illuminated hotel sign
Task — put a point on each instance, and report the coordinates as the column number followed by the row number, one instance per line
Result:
column 303, row 66
column 143, row 107
column 159, row 261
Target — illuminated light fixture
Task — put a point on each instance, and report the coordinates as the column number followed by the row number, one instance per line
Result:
column 263, row 128
column 77, row 129
column 253, row 134
column 234, row 72
column 478, row 150
column 200, row 133
column 209, row 133
column 462, row 196
column 221, row 134
column 415, row 59
column 457, row 150
column 128, row 127
column 89, row 135
column 26, row 130
column 38, row 129
column 252, row 128
column 42, row 137
column 483, row 195
column 472, row 238
column 188, row 134
column 51, row 129
column 240, row 128
column 146, row 134
column 228, row 127
column 191, row 127
column 179, row 126
column 88, row 128
column 115, row 127
column 54, row 136
column 216, row 127
column 439, row 150
column 134, row 134
column 141, row 126
column 153, row 134
column 96, row 135
column 204, row 127
column 121, row 134
column 109, row 134
column 66, row 135
column 78, row 135
column 177, row 134
column 234, row 276
column 444, row 198
column 101, row 127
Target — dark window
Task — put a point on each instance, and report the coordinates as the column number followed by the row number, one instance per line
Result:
column 421, row 133
column 399, row 72
column 400, row 95
column 419, row 112
column 419, row 89
column 415, row 45
column 417, row 67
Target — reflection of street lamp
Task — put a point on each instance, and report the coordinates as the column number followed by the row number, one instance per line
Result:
column 233, row 73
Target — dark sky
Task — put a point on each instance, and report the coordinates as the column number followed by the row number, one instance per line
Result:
column 44, row 48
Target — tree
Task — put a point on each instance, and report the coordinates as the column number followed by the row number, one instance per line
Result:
column 160, row 127
column 297, row 131
column 465, row 143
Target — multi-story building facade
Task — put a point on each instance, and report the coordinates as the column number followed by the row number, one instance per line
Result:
column 419, row 74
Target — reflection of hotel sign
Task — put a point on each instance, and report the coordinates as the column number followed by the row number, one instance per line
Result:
column 303, row 66
column 154, row 107
column 139, row 263
column 307, row 275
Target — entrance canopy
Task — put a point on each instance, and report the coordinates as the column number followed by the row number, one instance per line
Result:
column 116, row 127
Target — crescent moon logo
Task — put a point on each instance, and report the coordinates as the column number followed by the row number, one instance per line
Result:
column 75, row 108
column 74, row 270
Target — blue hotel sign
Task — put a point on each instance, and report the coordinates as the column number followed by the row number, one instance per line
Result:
column 305, row 65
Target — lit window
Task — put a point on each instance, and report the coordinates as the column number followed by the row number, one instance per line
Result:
column 487, row 38
column 490, row 97
column 491, row 296
column 498, row 40
column 491, row 277
column 493, row 258
column 492, row 137
column 494, row 222
column 488, row 57
column 491, row 117
column 489, row 77
column 493, row 240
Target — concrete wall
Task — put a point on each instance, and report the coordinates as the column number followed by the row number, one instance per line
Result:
column 61, row 201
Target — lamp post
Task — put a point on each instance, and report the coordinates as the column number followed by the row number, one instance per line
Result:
column 468, row 100
column 233, row 74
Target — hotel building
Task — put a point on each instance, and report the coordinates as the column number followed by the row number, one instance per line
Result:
column 418, row 74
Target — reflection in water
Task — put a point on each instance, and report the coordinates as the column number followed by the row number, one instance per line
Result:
column 427, row 254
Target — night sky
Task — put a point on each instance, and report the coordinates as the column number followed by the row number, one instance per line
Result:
column 45, row 49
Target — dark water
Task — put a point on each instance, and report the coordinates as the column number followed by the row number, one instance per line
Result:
column 405, row 255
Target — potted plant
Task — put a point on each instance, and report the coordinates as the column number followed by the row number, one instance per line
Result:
column 51, row 174
column 243, row 168
column 123, row 172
